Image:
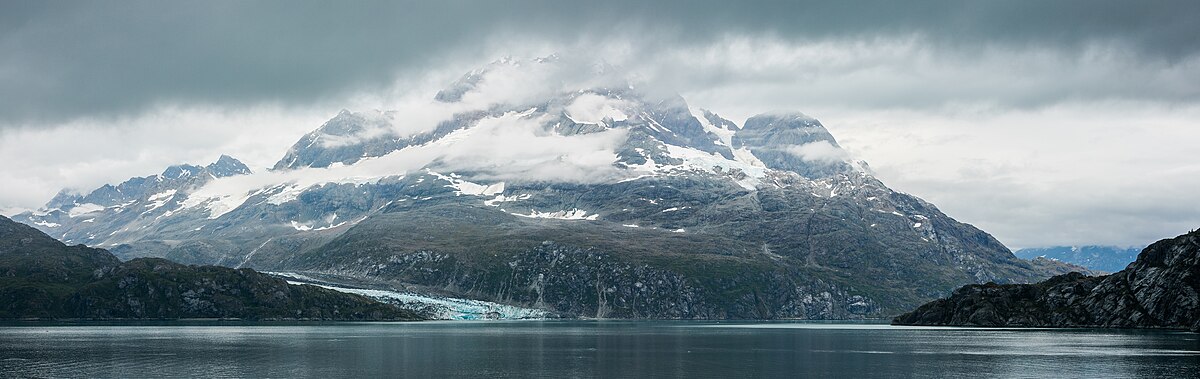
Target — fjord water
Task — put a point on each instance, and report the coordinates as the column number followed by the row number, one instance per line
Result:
column 563, row 349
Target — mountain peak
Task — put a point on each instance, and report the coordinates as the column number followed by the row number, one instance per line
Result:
column 64, row 199
column 345, row 138
column 653, row 124
column 227, row 166
column 795, row 142
column 181, row 171
column 784, row 118
column 471, row 80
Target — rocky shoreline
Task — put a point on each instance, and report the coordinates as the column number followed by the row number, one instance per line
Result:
column 1159, row 290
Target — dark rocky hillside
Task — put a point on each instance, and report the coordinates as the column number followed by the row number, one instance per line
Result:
column 43, row 278
column 1159, row 290
column 741, row 262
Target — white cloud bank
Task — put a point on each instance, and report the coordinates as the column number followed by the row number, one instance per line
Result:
column 510, row 147
column 590, row 108
column 1117, row 173
column 819, row 151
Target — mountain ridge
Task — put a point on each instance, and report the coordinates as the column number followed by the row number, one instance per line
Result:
column 815, row 234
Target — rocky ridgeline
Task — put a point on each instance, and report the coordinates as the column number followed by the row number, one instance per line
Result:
column 1159, row 290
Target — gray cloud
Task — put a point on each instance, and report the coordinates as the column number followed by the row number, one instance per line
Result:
column 944, row 99
column 64, row 60
column 1118, row 173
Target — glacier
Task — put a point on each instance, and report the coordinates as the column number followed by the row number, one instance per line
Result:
column 435, row 307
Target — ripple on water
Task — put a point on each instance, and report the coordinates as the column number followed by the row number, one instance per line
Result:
column 588, row 348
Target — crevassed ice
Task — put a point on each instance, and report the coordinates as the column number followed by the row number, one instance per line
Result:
column 696, row 159
column 448, row 308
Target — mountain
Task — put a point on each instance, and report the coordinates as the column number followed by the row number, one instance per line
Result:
column 132, row 208
column 1161, row 289
column 584, row 197
column 41, row 277
column 1102, row 258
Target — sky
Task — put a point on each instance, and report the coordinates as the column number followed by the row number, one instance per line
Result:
column 1042, row 123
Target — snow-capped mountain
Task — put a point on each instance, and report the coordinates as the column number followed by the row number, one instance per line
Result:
column 583, row 197
column 133, row 205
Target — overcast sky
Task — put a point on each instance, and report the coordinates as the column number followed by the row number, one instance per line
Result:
column 1043, row 123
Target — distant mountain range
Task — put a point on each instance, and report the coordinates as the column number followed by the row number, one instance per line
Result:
column 583, row 198
column 42, row 278
column 1158, row 290
column 1100, row 258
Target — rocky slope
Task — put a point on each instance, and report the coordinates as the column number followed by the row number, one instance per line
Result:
column 584, row 198
column 42, row 278
column 1161, row 289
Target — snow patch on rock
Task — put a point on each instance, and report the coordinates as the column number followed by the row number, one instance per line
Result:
column 504, row 199
column 573, row 214
column 85, row 208
column 463, row 187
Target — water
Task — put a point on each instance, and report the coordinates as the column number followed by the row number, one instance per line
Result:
column 564, row 349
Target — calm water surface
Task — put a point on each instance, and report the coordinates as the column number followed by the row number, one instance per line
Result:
column 564, row 349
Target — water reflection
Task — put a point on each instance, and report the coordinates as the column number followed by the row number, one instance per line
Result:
column 587, row 349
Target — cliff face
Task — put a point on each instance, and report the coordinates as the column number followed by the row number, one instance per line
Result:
column 1159, row 290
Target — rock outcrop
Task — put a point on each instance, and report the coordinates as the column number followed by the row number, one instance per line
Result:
column 1159, row 290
